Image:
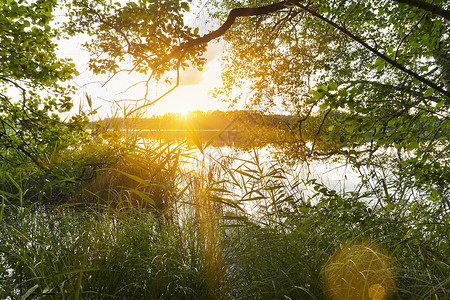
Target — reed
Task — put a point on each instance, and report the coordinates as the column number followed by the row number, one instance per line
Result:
column 147, row 226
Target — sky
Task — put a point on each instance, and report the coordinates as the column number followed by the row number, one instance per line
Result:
column 194, row 92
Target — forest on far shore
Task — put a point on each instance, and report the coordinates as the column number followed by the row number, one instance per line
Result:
column 202, row 120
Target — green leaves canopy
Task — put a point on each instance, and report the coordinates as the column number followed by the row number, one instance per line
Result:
column 30, row 77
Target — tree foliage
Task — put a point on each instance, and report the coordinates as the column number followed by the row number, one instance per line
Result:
column 31, row 74
column 379, row 64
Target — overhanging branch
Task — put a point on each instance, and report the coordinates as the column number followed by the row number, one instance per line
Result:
column 263, row 10
column 232, row 16
column 429, row 7
column 373, row 50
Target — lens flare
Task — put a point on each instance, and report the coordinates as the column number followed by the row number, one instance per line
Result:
column 377, row 291
column 359, row 271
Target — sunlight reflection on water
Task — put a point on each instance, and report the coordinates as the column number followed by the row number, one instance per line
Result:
column 335, row 175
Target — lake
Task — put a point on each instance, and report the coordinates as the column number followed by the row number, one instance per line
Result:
column 249, row 152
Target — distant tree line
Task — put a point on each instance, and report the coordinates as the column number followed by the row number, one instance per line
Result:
column 203, row 120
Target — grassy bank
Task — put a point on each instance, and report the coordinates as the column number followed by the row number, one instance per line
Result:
column 143, row 225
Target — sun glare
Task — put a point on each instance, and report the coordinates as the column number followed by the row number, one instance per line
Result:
column 184, row 113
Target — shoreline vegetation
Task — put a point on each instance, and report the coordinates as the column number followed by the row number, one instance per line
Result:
column 235, row 129
column 116, row 219
column 202, row 120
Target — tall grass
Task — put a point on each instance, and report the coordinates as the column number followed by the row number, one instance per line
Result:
column 142, row 225
column 78, row 255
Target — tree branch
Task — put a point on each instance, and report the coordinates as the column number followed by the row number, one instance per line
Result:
column 234, row 13
column 373, row 50
column 256, row 11
column 232, row 16
column 19, row 147
column 428, row 7
column 264, row 10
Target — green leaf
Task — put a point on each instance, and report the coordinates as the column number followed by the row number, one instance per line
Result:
column 311, row 100
column 89, row 100
column 378, row 61
column 390, row 207
column 322, row 88
column 429, row 92
column 226, row 201
column 333, row 86
column 322, row 203
column 413, row 145
column 304, row 209
column 343, row 92
column 380, row 67
column 29, row 292
column 143, row 196
column 2, row 208
column 435, row 194
column 230, row 214
column 323, row 106
column 131, row 176
column 440, row 104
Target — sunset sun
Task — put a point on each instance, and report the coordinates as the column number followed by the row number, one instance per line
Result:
column 184, row 112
